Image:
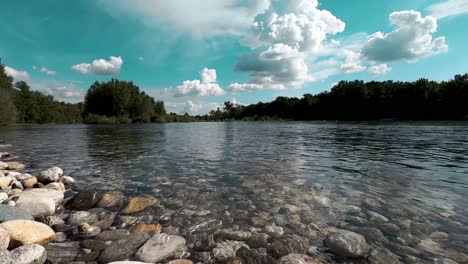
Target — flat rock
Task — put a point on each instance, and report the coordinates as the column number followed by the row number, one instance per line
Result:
column 29, row 254
column 347, row 244
column 39, row 193
column 25, row 232
column 94, row 244
column 299, row 259
column 138, row 204
column 62, row 252
column 254, row 256
column 13, row 165
column 112, row 200
column 50, row 175
column 10, row 213
column 123, row 249
column 113, row 235
column 37, row 207
column 4, row 239
column 84, row 200
column 160, row 247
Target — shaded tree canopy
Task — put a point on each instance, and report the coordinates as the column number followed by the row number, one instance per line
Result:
column 359, row 100
column 121, row 100
column 7, row 108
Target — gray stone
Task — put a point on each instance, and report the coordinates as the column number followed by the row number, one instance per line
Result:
column 37, row 207
column 29, row 254
column 5, row 257
column 299, row 259
column 123, row 249
column 227, row 249
column 233, row 234
column 113, row 235
column 62, row 252
column 347, row 244
column 288, row 245
column 9, row 213
column 254, row 256
column 40, row 193
column 274, row 231
column 160, row 247
column 258, row 240
column 50, row 175
column 94, row 244
column 81, row 217
column 383, row 256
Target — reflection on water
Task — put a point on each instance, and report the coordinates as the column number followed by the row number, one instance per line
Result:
column 414, row 172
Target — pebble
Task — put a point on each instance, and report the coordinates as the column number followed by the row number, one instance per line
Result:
column 41, row 206
column 258, row 240
column 5, row 257
column 112, row 200
column 81, row 217
column 62, row 252
column 160, row 247
column 13, row 165
column 299, row 259
column 3, row 165
column 67, row 180
column 138, row 204
column 347, row 244
column 123, row 249
column 143, row 228
column 288, row 245
column 29, row 254
column 41, row 193
column 5, row 182
column 230, row 234
column 50, row 175
column 227, row 249
column 274, row 231
column 84, row 200
column 25, row 232
column 87, row 231
column 94, row 244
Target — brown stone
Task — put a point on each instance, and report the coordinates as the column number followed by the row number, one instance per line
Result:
column 4, row 239
column 13, row 165
column 4, row 182
column 145, row 228
column 180, row 261
column 138, row 204
column 29, row 182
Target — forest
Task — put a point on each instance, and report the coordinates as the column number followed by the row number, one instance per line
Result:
column 117, row 102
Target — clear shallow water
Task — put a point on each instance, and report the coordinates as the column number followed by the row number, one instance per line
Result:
column 415, row 172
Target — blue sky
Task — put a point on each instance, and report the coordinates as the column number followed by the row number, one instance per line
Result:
column 195, row 55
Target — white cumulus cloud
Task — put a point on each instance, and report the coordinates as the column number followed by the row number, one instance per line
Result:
column 17, row 75
column 48, row 71
column 207, row 86
column 411, row 41
column 283, row 37
column 381, row 69
column 448, row 8
column 100, row 67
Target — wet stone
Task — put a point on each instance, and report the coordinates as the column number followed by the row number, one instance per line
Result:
column 124, row 248
column 9, row 213
column 258, row 240
column 288, row 245
column 201, row 241
column 112, row 200
column 160, row 247
column 227, row 249
column 113, row 235
column 230, row 234
column 80, row 217
column 84, row 200
column 254, row 256
column 383, row 256
column 138, row 204
column 299, row 259
column 62, row 252
column 94, row 244
column 347, row 244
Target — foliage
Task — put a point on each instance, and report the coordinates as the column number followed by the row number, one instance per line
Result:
column 7, row 108
column 357, row 100
column 123, row 101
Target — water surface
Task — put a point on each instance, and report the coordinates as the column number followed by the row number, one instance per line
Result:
column 415, row 172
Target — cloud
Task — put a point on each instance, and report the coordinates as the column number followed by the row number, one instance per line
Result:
column 60, row 91
column 17, row 75
column 352, row 63
column 48, row 71
column 448, row 8
column 199, row 18
column 207, row 86
column 411, row 41
column 100, row 67
column 381, row 69
column 190, row 107
column 283, row 38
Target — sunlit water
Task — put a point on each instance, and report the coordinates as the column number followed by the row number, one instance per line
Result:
column 403, row 171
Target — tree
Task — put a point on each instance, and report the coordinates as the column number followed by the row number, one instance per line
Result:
column 7, row 107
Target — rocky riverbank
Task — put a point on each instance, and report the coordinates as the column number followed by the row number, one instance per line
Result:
column 45, row 219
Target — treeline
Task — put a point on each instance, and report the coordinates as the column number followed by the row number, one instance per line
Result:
column 358, row 100
column 18, row 104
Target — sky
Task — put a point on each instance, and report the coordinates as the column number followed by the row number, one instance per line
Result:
column 195, row 55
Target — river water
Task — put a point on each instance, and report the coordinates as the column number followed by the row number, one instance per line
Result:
column 304, row 176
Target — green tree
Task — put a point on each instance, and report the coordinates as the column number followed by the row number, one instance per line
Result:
column 7, row 107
